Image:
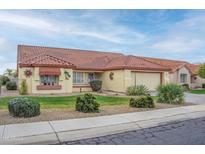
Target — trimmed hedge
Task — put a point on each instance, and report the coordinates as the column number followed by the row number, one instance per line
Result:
column 137, row 90
column 87, row 103
column 23, row 107
column 11, row 85
column 142, row 102
column 170, row 93
column 96, row 85
column 4, row 80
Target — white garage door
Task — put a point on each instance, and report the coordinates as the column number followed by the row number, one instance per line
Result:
column 150, row 80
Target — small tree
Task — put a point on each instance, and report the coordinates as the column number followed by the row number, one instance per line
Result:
column 23, row 90
column 201, row 71
column 8, row 72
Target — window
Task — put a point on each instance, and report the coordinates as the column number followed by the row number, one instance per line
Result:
column 77, row 78
column 49, row 80
column 183, row 78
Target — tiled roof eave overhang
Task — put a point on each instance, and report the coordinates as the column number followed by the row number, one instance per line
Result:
column 139, row 68
column 47, row 65
column 96, row 69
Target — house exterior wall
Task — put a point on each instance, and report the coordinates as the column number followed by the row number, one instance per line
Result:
column 22, row 77
column 175, row 76
column 34, row 80
column 196, row 81
column 121, row 80
column 165, row 78
column 81, row 89
column 184, row 70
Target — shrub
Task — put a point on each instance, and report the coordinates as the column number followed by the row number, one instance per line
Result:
column 203, row 85
column 142, row 102
column 87, row 103
column 137, row 90
column 4, row 80
column 23, row 107
column 23, row 88
column 11, row 85
column 185, row 87
column 96, row 85
column 170, row 93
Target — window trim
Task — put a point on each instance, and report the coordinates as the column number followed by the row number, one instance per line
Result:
column 49, row 81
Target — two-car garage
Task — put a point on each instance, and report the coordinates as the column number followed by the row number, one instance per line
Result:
column 150, row 79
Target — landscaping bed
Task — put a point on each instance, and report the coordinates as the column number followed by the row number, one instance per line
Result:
column 70, row 113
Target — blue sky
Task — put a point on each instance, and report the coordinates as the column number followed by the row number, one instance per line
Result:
column 171, row 34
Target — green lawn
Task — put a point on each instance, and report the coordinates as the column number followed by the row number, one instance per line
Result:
column 199, row 91
column 68, row 101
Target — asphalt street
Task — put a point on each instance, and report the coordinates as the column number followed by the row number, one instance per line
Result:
column 190, row 132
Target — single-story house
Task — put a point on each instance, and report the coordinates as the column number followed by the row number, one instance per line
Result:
column 59, row 70
column 181, row 72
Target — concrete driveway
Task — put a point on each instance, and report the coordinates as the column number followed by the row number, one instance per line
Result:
column 195, row 98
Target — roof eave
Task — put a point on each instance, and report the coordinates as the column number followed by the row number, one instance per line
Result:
column 46, row 65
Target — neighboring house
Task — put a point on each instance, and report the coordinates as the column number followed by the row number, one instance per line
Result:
column 196, row 81
column 181, row 72
column 58, row 70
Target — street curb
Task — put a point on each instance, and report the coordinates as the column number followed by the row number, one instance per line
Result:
column 53, row 134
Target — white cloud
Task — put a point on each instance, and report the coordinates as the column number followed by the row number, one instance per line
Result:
column 102, row 29
column 25, row 21
column 177, row 45
column 185, row 36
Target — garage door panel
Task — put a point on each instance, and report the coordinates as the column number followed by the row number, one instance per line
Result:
column 150, row 80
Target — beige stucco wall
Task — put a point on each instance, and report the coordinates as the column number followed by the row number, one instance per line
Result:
column 124, row 78
column 165, row 78
column 184, row 70
column 22, row 77
column 83, row 89
column 121, row 80
column 34, row 80
column 175, row 77
column 197, row 82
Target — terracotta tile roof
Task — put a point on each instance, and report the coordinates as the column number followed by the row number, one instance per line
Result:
column 46, row 60
column 176, row 64
column 135, row 62
column 83, row 59
column 193, row 68
column 172, row 64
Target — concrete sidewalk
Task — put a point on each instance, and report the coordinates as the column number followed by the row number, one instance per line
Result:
column 53, row 132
